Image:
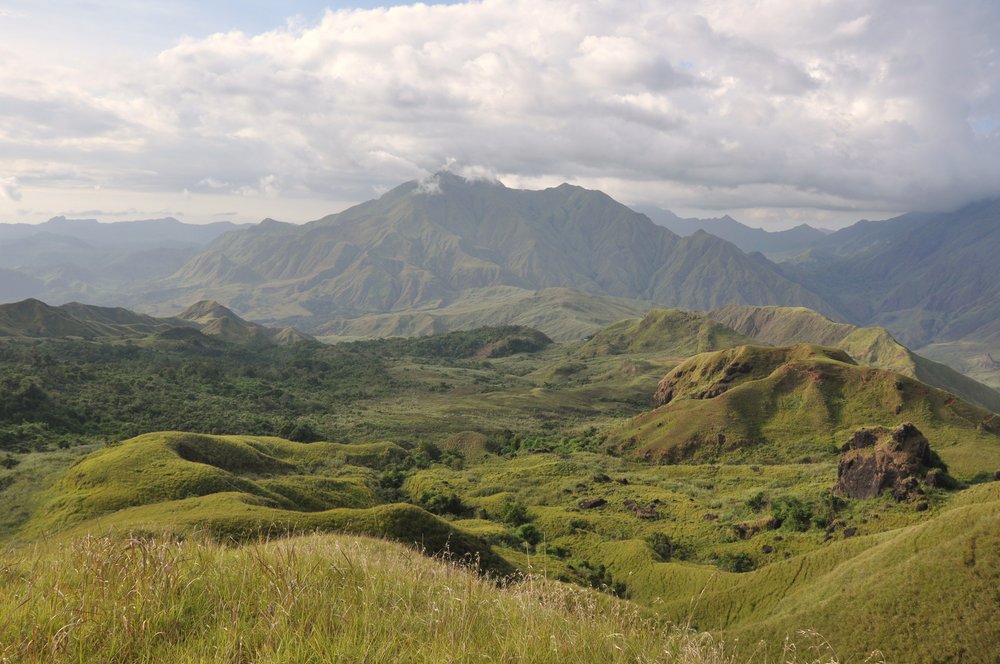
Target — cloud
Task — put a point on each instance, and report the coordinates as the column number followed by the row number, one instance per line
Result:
column 428, row 186
column 722, row 104
column 10, row 189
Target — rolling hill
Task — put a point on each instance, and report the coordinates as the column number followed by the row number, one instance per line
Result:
column 782, row 404
column 874, row 346
column 34, row 319
column 678, row 333
column 564, row 314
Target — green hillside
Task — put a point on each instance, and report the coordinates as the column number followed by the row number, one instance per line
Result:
column 921, row 593
column 721, row 545
column 317, row 598
column 677, row 333
column 781, row 404
column 495, row 445
column 563, row 314
column 37, row 320
column 869, row 345
column 216, row 320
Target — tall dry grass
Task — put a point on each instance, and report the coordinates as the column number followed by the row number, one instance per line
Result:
column 318, row 598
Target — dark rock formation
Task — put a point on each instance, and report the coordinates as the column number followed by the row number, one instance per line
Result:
column 591, row 503
column 876, row 460
column 640, row 511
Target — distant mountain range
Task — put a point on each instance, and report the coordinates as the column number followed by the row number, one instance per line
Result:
column 66, row 259
column 770, row 243
column 448, row 253
column 929, row 278
column 34, row 319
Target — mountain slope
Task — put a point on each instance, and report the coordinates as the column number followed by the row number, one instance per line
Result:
column 83, row 259
column 926, row 277
column 748, row 239
column 781, row 326
column 680, row 333
column 427, row 244
column 216, row 320
column 35, row 319
column 563, row 314
column 782, row 404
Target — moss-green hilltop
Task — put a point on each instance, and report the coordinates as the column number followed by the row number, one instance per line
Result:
column 782, row 404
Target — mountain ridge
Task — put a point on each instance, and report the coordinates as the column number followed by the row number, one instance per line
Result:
column 424, row 243
column 33, row 318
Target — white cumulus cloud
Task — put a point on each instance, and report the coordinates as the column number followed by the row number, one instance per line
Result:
column 855, row 104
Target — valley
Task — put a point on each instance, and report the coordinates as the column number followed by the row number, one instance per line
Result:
column 669, row 461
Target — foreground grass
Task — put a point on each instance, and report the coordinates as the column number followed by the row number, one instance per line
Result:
column 314, row 599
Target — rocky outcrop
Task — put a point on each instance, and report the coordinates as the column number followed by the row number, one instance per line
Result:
column 876, row 460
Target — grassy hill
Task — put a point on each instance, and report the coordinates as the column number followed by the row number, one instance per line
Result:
column 564, row 314
column 934, row 579
column 34, row 319
column 316, row 598
column 492, row 445
column 870, row 345
column 780, row 404
column 678, row 333
column 709, row 549
column 216, row 320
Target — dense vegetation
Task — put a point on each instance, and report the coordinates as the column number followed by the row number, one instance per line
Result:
column 60, row 392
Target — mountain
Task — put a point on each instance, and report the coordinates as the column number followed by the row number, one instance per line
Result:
column 873, row 346
column 976, row 355
column 33, row 318
column 926, row 277
column 66, row 259
column 786, row 404
column 769, row 243
column 430, row 244
column 16, row 285
column 143, row 232
column 216, row 320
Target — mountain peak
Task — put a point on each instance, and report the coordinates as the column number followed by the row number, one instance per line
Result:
column 207, row 309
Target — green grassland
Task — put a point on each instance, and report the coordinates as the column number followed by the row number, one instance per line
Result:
column 778, row 404
column 520, row 458
column 873, row 346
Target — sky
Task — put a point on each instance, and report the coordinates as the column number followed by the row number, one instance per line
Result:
column 777, row 112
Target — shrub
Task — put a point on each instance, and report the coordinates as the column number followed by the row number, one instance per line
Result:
column 442, row 502
column 792, row 512
column 529, row 533
column 662, row 546
column 736, row 562
column 513, row 512
column 758, row 501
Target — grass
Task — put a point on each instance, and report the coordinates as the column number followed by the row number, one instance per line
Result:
column 318, row 598
column 519, row 448
column 669, row 331
column 779, row 405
